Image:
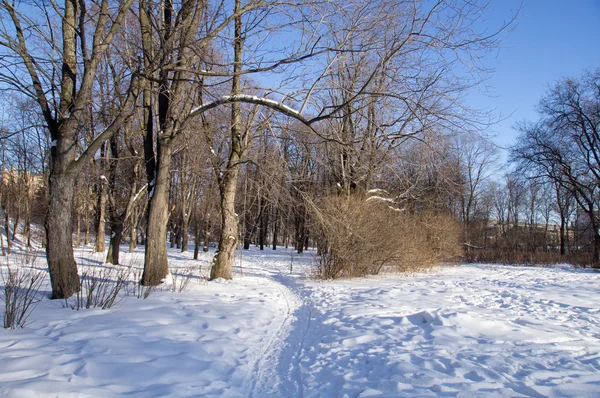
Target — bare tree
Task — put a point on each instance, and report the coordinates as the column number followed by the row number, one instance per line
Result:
column 58, row 72
column 477, row 158
column 564, row 145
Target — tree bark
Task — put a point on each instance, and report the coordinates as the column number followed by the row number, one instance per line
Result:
column 78, row 231
column 59, row 234
column 7, row 229
column 196, row 240
column 223, row 263
column 206, row 239
column 276, row 228
column 132, row 237
column 116, row 235
column 185, row 227
column 156, row 266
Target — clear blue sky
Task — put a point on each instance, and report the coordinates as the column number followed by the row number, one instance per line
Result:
column 553, row 39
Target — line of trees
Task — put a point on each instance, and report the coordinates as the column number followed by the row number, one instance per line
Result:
column 223, row 120
column 560, row 152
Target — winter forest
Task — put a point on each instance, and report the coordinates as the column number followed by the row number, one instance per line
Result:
column 257, row 173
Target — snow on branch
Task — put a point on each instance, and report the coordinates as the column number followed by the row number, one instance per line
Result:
column 377, row 190
column 250, row 99
column 379, row 199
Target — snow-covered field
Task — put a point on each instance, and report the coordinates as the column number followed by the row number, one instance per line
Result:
column 472, row 330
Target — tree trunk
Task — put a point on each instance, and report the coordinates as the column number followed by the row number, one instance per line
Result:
column 132, row 238
column 223, row 265
column 86, row 238
column 7, row 229
column 100, row 220
column 17, row 220
column 116, row 235
column 261, row 223
column 299, row 224
column 156, row 266
column 206, row 233
column 596, row 260
column 27, row 227
column 1, row 235
column 275, row 228
column 196, row 240
column 78, row 231
column 185, row 227
column 562, row 238
column 59, row 235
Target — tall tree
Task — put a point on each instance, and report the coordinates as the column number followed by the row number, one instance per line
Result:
column 564, row 145
column 62, row 87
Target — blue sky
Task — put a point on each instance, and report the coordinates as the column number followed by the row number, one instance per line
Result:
column 553, row 39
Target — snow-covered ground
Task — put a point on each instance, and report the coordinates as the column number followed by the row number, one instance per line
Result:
column 471, row 330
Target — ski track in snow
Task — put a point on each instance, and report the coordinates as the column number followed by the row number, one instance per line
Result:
column 473, row 330
column 470, row 330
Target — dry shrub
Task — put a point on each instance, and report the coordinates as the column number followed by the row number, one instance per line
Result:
column 100, row 287
column 361, row 237
column 21, row 293
column 496, row 255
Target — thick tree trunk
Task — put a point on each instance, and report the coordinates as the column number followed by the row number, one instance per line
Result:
column 59, row 234
column 156, row 266
column 116, row 235
column 223, row 265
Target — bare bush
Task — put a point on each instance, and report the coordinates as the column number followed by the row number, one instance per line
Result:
column 180, row 279
column 100, row 288
column 503, row 255
column 140, row 291
column 363, row 237
column 21, row 287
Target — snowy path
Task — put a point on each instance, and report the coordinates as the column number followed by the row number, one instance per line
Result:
column 474, row 330
column 457, row 331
